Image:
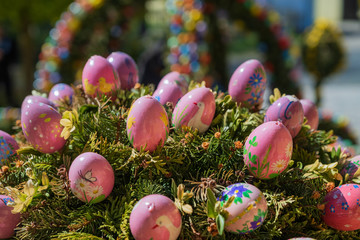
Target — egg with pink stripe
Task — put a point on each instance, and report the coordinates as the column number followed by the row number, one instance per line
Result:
column 61, row 92
column 41, row 126
column 126, row 68
column 195, row 109
column 175, row 77
column 8, row 220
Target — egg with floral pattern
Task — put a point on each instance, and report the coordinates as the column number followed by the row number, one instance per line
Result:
column 155, row 217
column 170, row 92
column 311, row 113
column 351, row 167
column 126, row 68
column 342, row 208
column 247, row 84
column 147, row 124
column 248, row 210
column 30, row 99
column 99, row 77
column 41, row 126
column 61, row 92
column 8, row 221
column 8, row 146
column 195, row 109
column 268, row 150
column 175, row 77
column 289, row 111
column 91, row 177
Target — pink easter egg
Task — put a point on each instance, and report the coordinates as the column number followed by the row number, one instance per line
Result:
column 126, row 68
column 147, row 124
column 177, row 78
column 155, row 217
column 99, row 77
column 91, row 177
column 195, row 109
column 247, row 83
column 351, row 167
column 289, row 111
column 41, row 126
column 342, row 208
column 61, row 92
column 301, row 238
column 268, row 150
column 8, row 147
column 249, row 209
column 30, row 99
column 311, row 113
column 168, row 93
column 8, row 221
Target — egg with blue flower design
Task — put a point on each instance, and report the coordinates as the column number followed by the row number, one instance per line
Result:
column 8, row 147
column 8, row 220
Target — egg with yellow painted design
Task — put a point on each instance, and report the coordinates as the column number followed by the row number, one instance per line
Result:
column 99, row 77
column 147, row 124
column 40, row 123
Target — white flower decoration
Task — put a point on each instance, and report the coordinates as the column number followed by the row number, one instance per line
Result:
column 94, row 191
column 288, row 150
column 279, row 165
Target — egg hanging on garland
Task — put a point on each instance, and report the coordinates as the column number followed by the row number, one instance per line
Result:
column 8, row 146
column 61, row 92
column 8, row 220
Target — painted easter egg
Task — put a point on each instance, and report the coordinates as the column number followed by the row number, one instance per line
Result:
column 195, row 109
column 311, row 113
column 352, row 167
column 126, row 68
column 99, row 77
column 8, row 221
column 289, row 111
column 175, row 77
column 30, row 99
column 8, row 146
column 268, row 150
column 247, row 83
column 41, row 126
column 301, row 238
column 91, row 177
column 249, row 209
column 168, row 93
column 61, row 92
column 155, row 217
column 147, row 124
column 342, row 208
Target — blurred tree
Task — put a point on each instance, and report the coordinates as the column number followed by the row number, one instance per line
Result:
column 22, row 16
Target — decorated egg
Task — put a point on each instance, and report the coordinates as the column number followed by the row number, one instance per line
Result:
column 126, row 68
column 41, row 126
column 28, row 100
column 311, row 113
column 248, row 210
column 195, row 109
column 61, row 92
column 352, row 167
column 155, row 217
column 342, row 208
column 8, row 221
column 99, row 77
column 289, row 111
column 247, row 83
column 268, row 150
column 177, row 78
column 147, row 124
column 91, row 177
column 8, row 147
column 170, row 92
column 301, row 238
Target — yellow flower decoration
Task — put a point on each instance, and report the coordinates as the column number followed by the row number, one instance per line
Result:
column 164, row 119
column 70, row 118
column 104, row 87
column 89, row 88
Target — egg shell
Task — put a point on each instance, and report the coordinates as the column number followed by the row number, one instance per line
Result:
column 61, row 92
column 301, row 238
column 352, row 167
column 195, row 109
column 289, row 111
column 99, row 77
column 8, row 221
column 126, row 68
column 147, row 124
column 41, row 126
column 168, row 93
column 8, row 147
column 249, row 209
column 311, row 113
column 268, row 150
column 342, row 208
column 155, row 217
column 247, row 83
column 30, row 99
column 91, row 177
column 177, row 78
